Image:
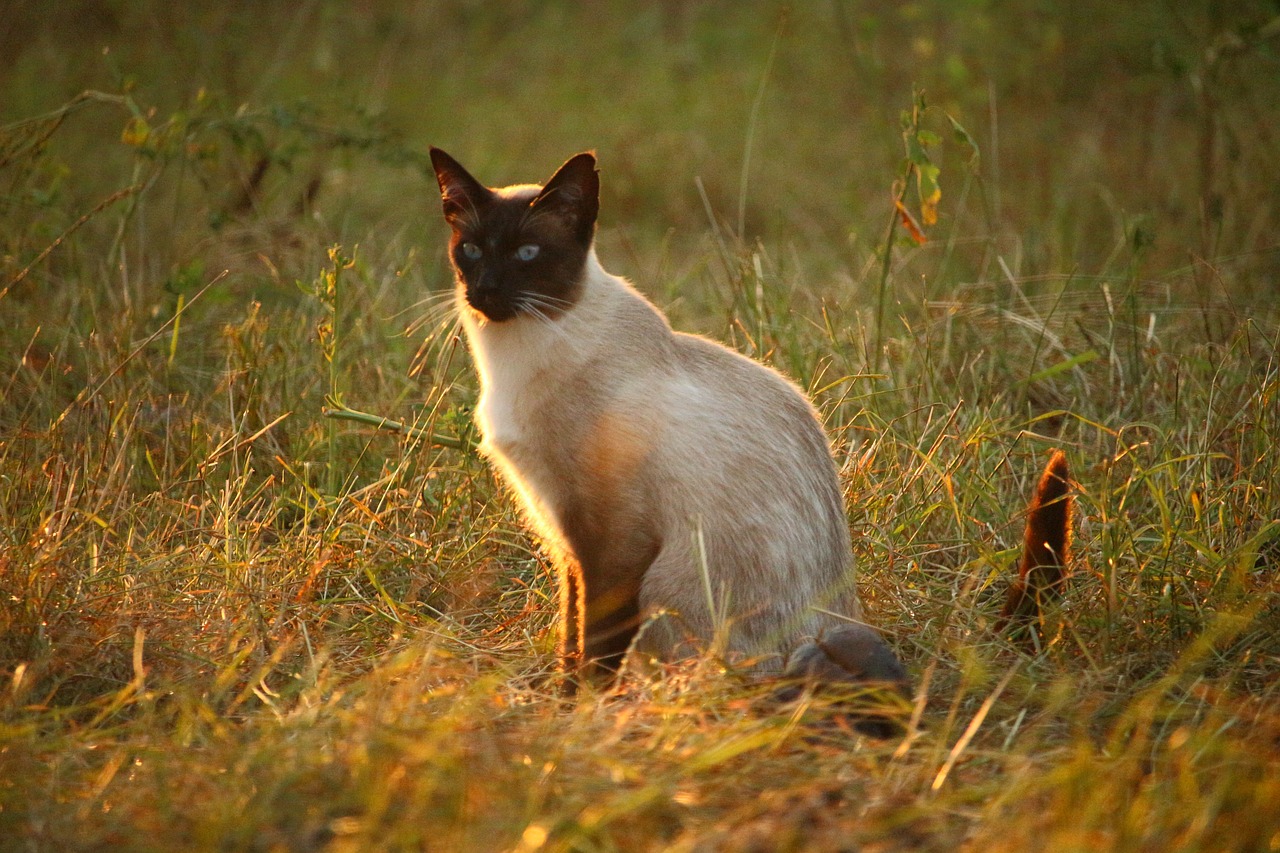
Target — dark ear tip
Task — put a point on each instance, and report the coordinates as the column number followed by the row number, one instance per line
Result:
column 586, row 158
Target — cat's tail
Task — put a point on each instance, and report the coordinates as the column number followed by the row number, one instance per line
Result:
column 854, row 658
column 1042, row 575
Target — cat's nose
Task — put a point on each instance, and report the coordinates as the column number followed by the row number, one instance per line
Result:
column 482, row 298
column 488, row 283
column 488, row 299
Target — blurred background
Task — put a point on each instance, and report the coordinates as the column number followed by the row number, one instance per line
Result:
column 1002, row 192
column 1008, row 190
column 1094, row 122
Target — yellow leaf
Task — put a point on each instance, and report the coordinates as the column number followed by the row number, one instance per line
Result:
column 929, row 208
column 136, row 132
column 909, row 223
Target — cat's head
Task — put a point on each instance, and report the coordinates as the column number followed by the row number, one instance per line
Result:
column 520, row 250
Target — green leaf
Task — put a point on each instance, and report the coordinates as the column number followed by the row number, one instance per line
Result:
column 1061, row 367
column 915, row 151
column 962, row 136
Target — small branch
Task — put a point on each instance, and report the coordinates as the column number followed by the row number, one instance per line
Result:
column 343, row 413
column 75, row 226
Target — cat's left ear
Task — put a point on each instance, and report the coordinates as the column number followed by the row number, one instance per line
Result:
column 573, row 195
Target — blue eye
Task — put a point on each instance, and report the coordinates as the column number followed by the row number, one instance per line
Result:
column 527, row 252
column 471, row 251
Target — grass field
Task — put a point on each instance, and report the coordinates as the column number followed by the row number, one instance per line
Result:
column 228, row 622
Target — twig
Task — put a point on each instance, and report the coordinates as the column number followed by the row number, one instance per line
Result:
column 75, row 226
column 344, row 413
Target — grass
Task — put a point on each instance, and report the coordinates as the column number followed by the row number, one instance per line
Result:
column 227, row 622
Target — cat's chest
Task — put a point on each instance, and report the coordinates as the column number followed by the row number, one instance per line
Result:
column 522, row 380
column 504, row 423
column 527, row 437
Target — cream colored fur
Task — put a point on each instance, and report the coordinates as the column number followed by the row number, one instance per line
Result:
column 686, row 448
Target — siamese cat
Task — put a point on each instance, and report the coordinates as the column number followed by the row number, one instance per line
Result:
column 684, row 493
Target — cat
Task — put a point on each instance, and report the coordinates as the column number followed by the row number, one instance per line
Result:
column 685, row 494
column 680, row 488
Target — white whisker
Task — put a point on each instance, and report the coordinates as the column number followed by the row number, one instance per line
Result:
column 436, row 314
column 437, row 339
column 549, row 301
column 527, row 304
column 432, row 301
column 434, row 324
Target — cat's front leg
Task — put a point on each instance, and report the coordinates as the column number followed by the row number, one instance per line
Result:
column 610, row 554
column 611, row 617
column 570, row 622
column 598, row 619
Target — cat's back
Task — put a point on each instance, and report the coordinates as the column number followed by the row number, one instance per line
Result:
column 744, row 468
column 752, row 404
column 740, row 437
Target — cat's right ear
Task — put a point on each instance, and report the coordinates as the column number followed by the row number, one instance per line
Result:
column 573, row 195
column 460, row 194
